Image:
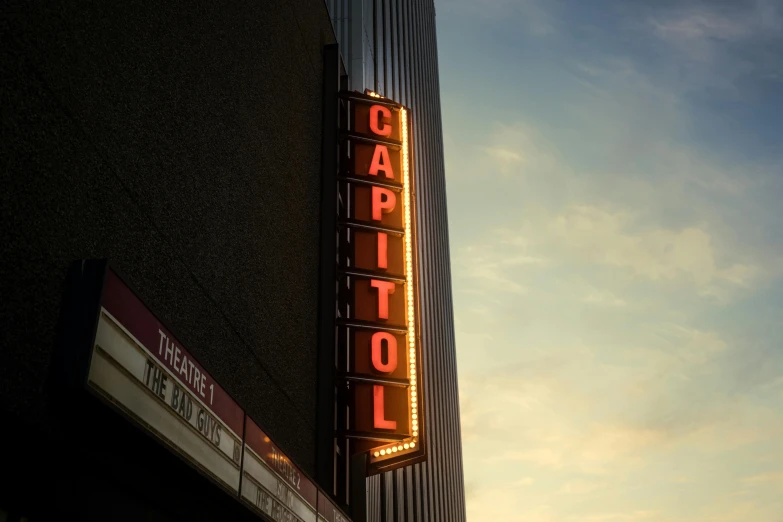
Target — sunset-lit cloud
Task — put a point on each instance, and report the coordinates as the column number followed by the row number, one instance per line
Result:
column 614, row 177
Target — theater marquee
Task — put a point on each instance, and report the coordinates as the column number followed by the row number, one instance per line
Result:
column 378, row 338
column 116, row 348
column 142, row 369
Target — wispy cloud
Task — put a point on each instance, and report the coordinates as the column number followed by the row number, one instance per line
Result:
column 496, row 265
column 613, row 238
column 631, row 516
column 600, row 298
column 722, row 43
column 700, row 24
column 581, row 487
column 524, row 481
column 616, row 221
column 775, row 477
column 490, row 274
column 506, row 159
column 695, row 24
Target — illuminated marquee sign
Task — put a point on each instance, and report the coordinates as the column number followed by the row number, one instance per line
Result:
column 272, row 484
column 378, row 292
column 133, row 362
column 142, row 369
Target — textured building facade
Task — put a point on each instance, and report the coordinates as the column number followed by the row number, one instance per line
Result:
column 182, row 141
column 390, row 47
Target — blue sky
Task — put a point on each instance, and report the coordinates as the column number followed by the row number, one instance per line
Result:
column 614, row 181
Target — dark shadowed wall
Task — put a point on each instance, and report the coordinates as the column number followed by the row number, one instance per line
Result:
column 182, row 141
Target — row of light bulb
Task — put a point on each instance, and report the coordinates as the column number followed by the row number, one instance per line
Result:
column 395, row 449
column 409, row 272
column 409, row 297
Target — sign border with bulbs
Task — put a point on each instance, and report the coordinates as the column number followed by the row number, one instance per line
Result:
column 387, row 183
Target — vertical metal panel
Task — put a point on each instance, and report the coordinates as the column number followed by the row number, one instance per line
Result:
column 398, row 47
column 416, row 493
column 392, row 42
column 417, row 79
column 427, row 245
column 384, row 497
column 395, row 496
column 375, row 42
column 373, row 499
column 395, row 48
column 426, row 487
column 437, row 318
column 386, row 48
column 353, row 42
column 407, row 495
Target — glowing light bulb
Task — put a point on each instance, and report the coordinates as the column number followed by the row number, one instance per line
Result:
column 406, row 445
column 377, row 453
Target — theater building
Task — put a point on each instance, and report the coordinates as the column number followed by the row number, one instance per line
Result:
column 226, row 280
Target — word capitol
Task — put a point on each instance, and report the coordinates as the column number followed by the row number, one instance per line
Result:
column 383, row 201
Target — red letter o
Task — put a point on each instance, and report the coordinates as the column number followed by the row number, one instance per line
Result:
column 377, row 352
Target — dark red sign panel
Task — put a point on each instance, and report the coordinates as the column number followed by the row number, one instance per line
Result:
column 379, row 301
column 391, row 400
column 378, row 205
column 390, row 350
column 369, row 255
column 366, row 160
column 377, row 120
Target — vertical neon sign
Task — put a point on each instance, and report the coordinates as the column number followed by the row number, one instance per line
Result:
column 380, row 278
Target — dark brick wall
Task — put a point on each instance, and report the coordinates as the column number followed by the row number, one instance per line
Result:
column 181, row 140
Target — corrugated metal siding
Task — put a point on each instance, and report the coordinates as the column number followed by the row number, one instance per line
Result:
column 405, row 68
